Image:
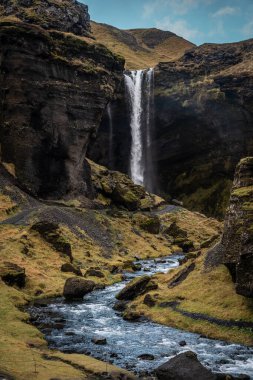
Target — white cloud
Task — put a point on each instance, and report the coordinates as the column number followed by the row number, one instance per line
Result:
column 179, row 7
column 225, row 11
column 248, row 30
column 180, row 27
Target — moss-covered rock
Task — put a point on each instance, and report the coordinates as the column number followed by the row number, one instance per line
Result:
column 148, row 222
column 66, row 15
column 121, row 190
column 12, row 274
column 135, row 288
column 51, row 233
column 237, row 240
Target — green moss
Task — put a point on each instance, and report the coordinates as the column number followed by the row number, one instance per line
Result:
column 242, row 192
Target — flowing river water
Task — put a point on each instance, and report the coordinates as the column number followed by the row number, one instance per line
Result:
column 70, row 327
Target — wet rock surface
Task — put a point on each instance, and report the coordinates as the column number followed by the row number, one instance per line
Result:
column 184, row 366
column 134, row 289
column 76, row 288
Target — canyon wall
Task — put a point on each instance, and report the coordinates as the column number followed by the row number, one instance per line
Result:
column 237, row 240
column 54, row 89
column 203, row 125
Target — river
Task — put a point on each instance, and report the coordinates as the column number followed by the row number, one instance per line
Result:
column 70, row 327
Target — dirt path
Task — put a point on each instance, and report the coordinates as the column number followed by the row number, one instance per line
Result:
column 174, row 305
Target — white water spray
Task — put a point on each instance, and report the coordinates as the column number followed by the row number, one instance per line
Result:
column 140, row 89
column 133, row 82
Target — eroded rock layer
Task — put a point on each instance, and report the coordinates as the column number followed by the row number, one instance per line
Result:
column 237, row 241
column 54, row 89
column 65, row 15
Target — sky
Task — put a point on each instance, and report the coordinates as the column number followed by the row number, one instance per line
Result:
column 198, row 21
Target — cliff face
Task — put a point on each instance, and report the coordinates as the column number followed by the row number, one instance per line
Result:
column 54, row 88
column 63, row 15
column 203, row 124
column 237, row 241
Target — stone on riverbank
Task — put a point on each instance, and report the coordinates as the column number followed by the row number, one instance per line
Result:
column 135, row 288
column 184, row 366
column 76, row 288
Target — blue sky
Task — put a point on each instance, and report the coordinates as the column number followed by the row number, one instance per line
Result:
column 196, row 20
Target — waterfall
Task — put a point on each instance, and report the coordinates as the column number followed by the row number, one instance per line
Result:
column 111, row 157
column 139, row 88
column 133, row 83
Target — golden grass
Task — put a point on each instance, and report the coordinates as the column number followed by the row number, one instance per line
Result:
column 207, row 292
column 7, row 206
column 170, row 49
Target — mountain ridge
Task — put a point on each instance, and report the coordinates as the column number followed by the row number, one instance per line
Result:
column 141, row 47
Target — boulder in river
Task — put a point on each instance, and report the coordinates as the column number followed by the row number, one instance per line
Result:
column 135, row 288
column 146, row 357
column 99, row 340
column 184, row 366
column 76, row 288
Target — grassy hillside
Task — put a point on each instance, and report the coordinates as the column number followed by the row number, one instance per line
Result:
column 141, row 48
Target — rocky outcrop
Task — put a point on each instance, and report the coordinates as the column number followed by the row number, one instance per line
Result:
column 184, row 366
column 54, row 89
column 51, row 233
column 202, row 128
column 64, row 15
column 113, row 187
column 12, row 274
column 237, row 240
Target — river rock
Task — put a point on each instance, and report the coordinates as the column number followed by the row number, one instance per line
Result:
column 184, row 366
column 76, row 288
column 146, row 357
column 120, row 305
column 12, row 274
column 99, row 340
column 135, row 288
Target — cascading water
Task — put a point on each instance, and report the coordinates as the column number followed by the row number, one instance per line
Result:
column 133, row 82
column 139, row 88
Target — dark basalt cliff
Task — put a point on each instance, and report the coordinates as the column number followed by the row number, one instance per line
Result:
column 54, row 89
column 63, row 15
column 203, row 125
column 204, row 116
column 237, row 241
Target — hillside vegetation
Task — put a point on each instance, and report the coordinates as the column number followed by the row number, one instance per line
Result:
column 141, row 48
